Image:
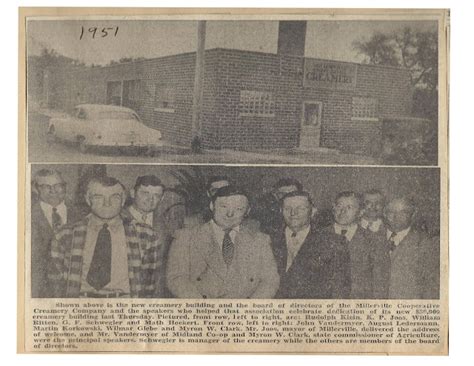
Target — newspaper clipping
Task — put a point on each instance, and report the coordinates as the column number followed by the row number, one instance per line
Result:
column 254, row 181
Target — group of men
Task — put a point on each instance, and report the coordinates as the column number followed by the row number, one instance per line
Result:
column 368, row 248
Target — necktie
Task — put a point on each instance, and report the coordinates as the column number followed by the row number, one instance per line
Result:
column 291, row 250
column 227, row 248
column 392, row 242
column 56, row 221
column 101, row 264
column 343, row 235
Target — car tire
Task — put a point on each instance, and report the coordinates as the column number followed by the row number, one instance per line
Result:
column 81, row 144
column 51, row 135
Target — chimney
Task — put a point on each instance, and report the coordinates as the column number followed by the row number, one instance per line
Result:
column 291, row 38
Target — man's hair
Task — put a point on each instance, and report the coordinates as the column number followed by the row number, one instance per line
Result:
column 285, row 182
column 349, row 194
column 46, row 173
column 409, row 202
column 374, row 191
column 104, row 181
column 148, row 180
column 298, row 194
column 216, row 178
column 228, row 191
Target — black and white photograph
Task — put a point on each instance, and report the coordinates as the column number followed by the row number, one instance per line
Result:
column 209, row 232
column 326, row 92
column 250, row 181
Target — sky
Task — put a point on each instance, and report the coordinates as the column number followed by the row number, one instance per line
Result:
column 155, row 38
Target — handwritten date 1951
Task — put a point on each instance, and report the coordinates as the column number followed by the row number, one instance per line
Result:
column 98, row 32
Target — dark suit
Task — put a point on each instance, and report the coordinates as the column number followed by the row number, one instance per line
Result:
column 414, row 268
column 317, row 271
column 380, row 259
column 359, row 282
column 41, row 237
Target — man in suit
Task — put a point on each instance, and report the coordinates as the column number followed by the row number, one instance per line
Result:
column 372, row 214
column 372, row 222
column 308, row 268
column 107, row 254
column 268, row 207
column 49, row 213
column 413, row 257
column 223, row 258
column 146, row 196
column 353, row 241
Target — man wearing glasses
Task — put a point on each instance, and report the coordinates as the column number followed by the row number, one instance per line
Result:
column 49, row 213
column 108, row 254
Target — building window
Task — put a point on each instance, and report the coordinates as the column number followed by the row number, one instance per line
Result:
column 165, row 96
column 256, row 103
column 114, row 92
column 364, row 109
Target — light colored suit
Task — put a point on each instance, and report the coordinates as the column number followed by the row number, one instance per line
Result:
column 414, row 268
column 196, row 268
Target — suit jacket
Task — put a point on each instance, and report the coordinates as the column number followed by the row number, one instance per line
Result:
column 41, row 235
column 380, row 258
column 414, row 268
column 358, row 283
column 144, row 248
column 196, row 268
column 315, row 273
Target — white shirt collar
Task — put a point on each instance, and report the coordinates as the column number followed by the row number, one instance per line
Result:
column 351, row 230
column 398, row 236
column 373, row 226
column 219, row 232
column 144, row 218
column 47, row 209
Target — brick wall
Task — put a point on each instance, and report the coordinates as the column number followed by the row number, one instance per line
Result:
column 389, row 86
column 227, row 72
column 242, row 70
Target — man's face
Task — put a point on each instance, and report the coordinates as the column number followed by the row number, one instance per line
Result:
column 282, row 191
column 373, row 206
column 297, row 212
column 105, row 202
column 147, row 198
column 398, row 215
column 230, row 211
column 215, row 186
column 346, row 210
column 51, row 189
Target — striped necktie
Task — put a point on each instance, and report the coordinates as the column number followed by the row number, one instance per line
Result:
column 227, row 248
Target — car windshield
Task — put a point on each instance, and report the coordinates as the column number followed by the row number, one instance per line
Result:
column 112, row 115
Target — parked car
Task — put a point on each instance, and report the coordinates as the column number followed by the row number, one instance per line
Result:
column 95, row 125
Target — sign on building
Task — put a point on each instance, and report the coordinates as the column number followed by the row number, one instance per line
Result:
column 329, row 74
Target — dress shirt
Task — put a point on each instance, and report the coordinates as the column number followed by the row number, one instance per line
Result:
column 294, row 243
column 350, row 230
column 373, row 226
column 219, row 233
column 119, row 280
column 397, row 239
column 47, row 209
column 143, row 218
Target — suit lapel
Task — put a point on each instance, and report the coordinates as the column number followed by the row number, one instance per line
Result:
column 280, row 251
column 211, row 251
column 304, row 250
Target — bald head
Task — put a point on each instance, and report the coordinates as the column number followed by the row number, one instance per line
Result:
column 399, row 214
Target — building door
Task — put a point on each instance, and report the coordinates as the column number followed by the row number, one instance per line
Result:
column 311, row 124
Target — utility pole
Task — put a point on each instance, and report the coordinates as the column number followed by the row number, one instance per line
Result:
column 198, row 83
